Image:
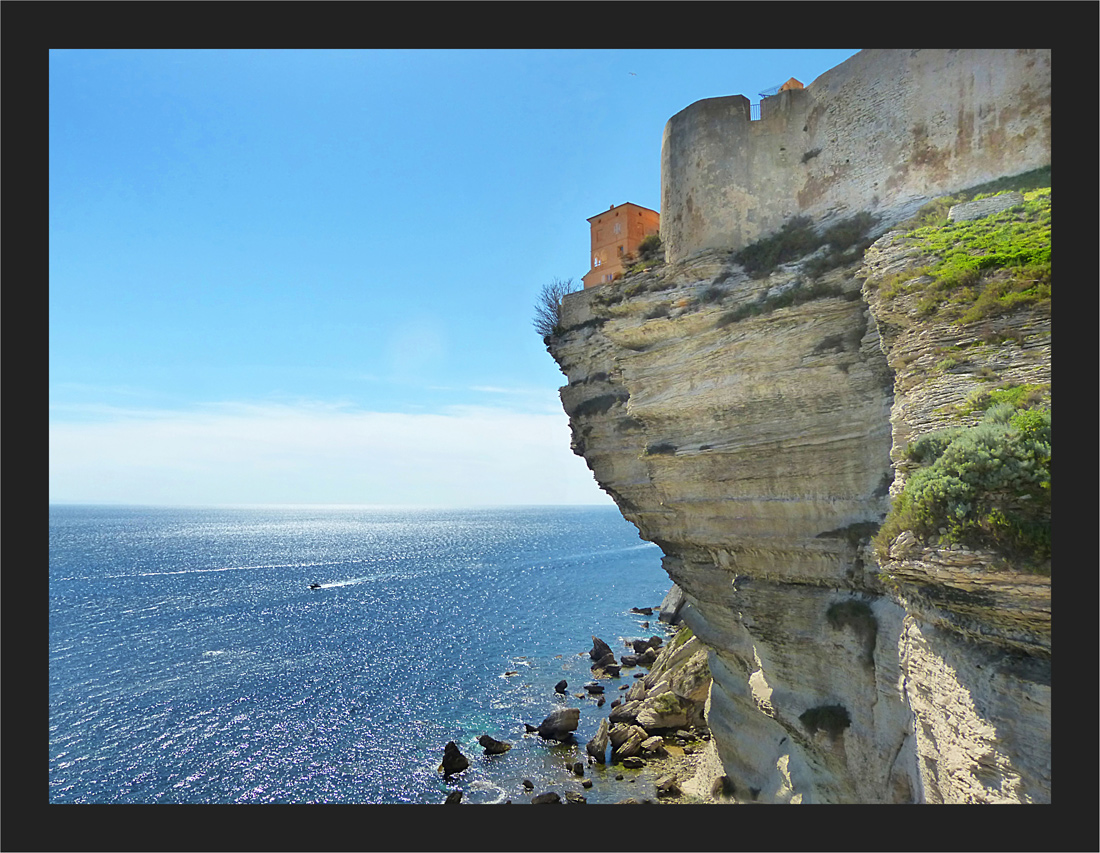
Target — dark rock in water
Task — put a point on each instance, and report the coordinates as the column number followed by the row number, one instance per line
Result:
column 633, row 761
column 629, row 660
column 611, row 669
column 587, row 783
column 594, row 687
column 619, row 777
column 560, row 686
column 578, row 768
column 572, row 797
column 667, row 787
column 561, row 724
column 453, row 798
column 605, row 660
column 527, row 727
column 649, row 658
column 615, row 703
column 642, row 646
column 493, row 746
column 599, row 704
column 599, row 649
column 645, row 611
column 512, row 672
column 548, row 797
column 453, row 760
column 597, row 747
column 645, row 624
column 528, row 784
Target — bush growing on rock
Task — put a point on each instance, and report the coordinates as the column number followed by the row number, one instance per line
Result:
column 797, row 238
column 794, row 240
column 988, row 486
column 796, row 295
column 547, row 320
column 650, row 249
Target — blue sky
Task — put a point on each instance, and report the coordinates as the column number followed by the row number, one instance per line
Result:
column 309, row 276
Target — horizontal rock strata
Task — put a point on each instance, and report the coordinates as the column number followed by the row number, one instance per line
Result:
column 751, row 427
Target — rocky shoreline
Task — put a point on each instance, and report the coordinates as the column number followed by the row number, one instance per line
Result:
column 655, row 733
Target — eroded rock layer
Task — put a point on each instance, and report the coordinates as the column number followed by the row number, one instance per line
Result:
column 745, row 425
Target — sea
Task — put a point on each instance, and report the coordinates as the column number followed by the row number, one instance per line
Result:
column 192, row 662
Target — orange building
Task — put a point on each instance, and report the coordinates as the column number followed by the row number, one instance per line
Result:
column 616, row 234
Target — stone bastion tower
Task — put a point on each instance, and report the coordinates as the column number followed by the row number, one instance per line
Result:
column 883, row 132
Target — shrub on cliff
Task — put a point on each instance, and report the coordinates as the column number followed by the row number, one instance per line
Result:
column 785, row 299
column 794, row 240
column 651, row 252
column 650, row 249
column 988, row 486
column 797, row 238
column 547, row 320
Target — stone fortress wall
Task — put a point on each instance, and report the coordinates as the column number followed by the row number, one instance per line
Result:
column 883, row 131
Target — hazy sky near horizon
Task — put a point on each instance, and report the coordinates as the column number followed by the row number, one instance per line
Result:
column 292, row 276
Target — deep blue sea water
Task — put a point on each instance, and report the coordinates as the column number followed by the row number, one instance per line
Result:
column 191, row 663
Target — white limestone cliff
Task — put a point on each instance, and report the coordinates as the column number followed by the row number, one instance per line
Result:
column 755, row 449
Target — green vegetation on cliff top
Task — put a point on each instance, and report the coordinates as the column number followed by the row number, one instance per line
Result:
column 979, row 269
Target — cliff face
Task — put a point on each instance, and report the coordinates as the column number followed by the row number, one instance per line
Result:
column 975, row 642
column 754, row 428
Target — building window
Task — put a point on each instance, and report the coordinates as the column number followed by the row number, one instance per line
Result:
column 618, row 229
column 596, row 262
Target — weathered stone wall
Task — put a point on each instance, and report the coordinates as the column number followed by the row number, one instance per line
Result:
column 883, row 132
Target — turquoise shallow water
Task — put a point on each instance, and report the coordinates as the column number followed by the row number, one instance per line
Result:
column 191, row 663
